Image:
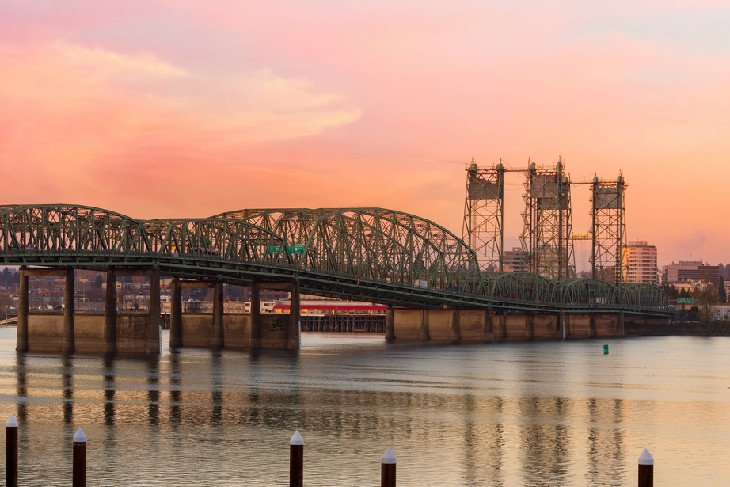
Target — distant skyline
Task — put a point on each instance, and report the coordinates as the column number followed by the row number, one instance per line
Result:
column 176, row 108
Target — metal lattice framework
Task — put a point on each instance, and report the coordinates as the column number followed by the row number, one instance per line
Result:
column 548, row 222
column 608, row 230
column 483, row 226
column 372, row 254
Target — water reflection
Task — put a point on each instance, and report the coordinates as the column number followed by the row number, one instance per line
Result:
column 68, row 391
column 153, row 390
column 605, row 442
column 175, row 389
column 482, row 422
column 21, row 388
column 109, row 391
column 545, row 440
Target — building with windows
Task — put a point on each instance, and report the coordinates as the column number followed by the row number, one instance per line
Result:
column 691, row 270
column 516, row 260
column 639, row 262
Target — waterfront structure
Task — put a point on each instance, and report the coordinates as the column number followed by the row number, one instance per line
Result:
column 640, row 263
column 374, row 254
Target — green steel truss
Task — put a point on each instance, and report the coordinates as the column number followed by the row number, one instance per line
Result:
column 370, row 254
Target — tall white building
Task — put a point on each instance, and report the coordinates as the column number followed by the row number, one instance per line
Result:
column 639, row 261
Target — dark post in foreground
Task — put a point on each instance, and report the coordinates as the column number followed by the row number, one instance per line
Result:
column 11, row 452
column 646, row 469
column 387, row 469
column 296, row 460
column 79, row 459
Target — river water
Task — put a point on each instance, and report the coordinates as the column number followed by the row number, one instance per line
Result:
column 531, row 414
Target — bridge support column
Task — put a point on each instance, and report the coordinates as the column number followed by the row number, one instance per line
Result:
column 110, row 312
column 217, row 339
column 621, row 328
column 389, row 325
column 594, row 330
column 255, row 336
column 530, row 326
column 67, row 343
column 23, row 311
column 562, row 325
column 425, row 335
column 176, row 316
column 153, row 333
column 502, row 327
column 293, row 336
column 455, row 326
column 488, row 332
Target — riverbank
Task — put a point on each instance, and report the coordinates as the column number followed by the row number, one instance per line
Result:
column 681, row 328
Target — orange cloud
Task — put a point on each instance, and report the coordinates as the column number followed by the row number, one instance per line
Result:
column 70, row 110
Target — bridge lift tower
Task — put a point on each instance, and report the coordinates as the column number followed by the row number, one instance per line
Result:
column 547, row 228
column 483, row 227
column 608, row 229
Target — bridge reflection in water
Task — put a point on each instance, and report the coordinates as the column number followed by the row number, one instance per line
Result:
column 553, row 414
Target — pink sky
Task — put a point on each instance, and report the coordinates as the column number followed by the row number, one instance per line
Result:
column 171, row 108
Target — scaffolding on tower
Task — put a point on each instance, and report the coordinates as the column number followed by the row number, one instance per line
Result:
column 547, row 221
column 483, row 226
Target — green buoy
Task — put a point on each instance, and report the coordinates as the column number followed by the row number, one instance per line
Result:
column 605, row 349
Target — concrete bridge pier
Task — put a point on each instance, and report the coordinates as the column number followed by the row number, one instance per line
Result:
column 175, row 315
column 389, row 325
column 67, row 345
column 45, row 334
column 110, row 312
column 488, row 331
column 23, row 311
column 196, row 329
column 153, row 333
column 275, row 331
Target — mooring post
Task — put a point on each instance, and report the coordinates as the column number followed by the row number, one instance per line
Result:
column 23, row 311
column 646, row 469
column 11, row 452
column 296, row 460
column 387, row 469
column 79, row 458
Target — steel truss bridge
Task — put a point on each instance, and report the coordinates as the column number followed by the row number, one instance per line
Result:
column 370, row 254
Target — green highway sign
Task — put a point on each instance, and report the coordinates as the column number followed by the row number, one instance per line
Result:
column 686, row 300
column 290, row 249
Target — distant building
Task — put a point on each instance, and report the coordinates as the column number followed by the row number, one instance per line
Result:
column 691, row 270
column 639, row 261
column 516, row 260
column 720, row 312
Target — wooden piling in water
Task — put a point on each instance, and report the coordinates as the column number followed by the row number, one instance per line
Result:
column 296, row 460
column 387, row 469
column 11, row 452
column 79, row 459
column 646, row 469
